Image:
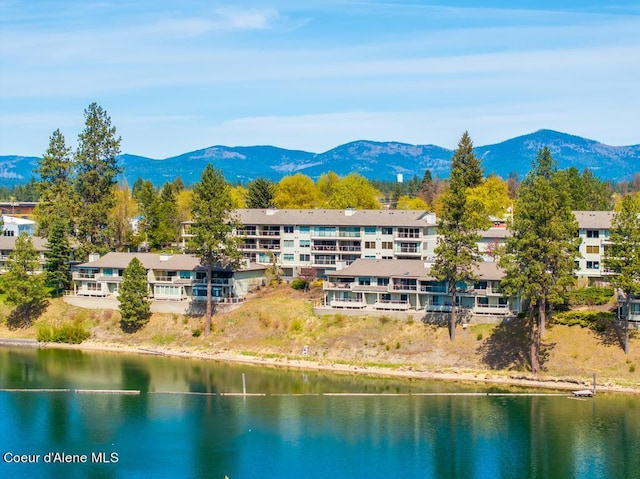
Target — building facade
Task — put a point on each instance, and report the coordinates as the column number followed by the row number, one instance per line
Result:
column 328, row 240
column 170, row 277
column 406, row 286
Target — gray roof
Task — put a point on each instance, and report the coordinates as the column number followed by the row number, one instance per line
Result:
column 495, row 233
column 594, row 219
column 8, row 243
column 176, row 262
column 310, row 217
column 408, row 268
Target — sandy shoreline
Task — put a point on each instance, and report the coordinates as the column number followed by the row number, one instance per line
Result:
column 481, row 376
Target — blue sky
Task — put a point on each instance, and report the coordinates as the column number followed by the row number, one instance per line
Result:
column 176, row 76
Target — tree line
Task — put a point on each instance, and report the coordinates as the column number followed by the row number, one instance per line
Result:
column 82, row 204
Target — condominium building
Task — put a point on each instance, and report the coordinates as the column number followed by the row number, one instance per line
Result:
column 594, row 229
column 407, row 286
column 177, row 277
column 328, row 240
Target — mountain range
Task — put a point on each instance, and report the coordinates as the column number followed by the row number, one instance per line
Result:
column 374, row 160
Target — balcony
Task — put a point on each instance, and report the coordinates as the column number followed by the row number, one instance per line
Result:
column 248, row 246
column 438, row 308
column 497, row 309
column 392, row 305
column 269, row 233
column 269, row 246
column 427, row 288
column 84, row 275
column 403, row 287
column 349, row 234
column 350, row 248
column 327, row 285
column 324, row 262
column 246, row 232
column 350, row 303
column 409, row 235
column 324, row 247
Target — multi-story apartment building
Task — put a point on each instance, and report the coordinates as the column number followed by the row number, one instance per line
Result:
column 170, row 277
column 328, row 240
column 594, row 228
column 407, row 286
column 8, row 244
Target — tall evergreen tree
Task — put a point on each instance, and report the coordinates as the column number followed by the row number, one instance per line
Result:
column 55, row 185
column 212, row 228
column 540, row 253
column 96, row 171
column 623, row 255
column 133, row 295
column 58, row 254
column 22, row 284
column 457, row 247
column 260, row 193
column 165, row 222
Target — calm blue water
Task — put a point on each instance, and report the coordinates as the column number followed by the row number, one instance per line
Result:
column 298, row 429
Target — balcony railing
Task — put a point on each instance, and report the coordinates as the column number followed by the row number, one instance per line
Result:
column 406, row 249
column 404, row 287
column 78, row 275
column 350, row 248
column 269, row 233
column 409, row 235
column 392, row 304
column 324, row 261
column 324, row 247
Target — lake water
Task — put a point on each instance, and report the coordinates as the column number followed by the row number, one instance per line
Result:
column 187, row 422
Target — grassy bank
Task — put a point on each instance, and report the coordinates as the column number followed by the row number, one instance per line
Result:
column 279, row 323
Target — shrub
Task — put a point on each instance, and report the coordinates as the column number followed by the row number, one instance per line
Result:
column 299, row 284
column 596, row 321
column 632, row 368
column 591, row 296
column 296, row 326
column 196, row 332
column 479, row 337
column 71, row 333
column 384, row 319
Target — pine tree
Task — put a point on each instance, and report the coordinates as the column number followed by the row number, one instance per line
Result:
column 165, row 223
column 540, row 253
column 212, row 228
column 260, row 193
column 133, row 295
column 96, row 170
column 55, row 185
column 457, row 247
column 58, row 254
column 623, row 255
column 22, row 284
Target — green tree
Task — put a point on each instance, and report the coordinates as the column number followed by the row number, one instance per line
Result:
column 133, row 295
column 22, row 284
column 623, row 254
column 212, row 228
column 145, row 195
column 96, row 170
column 539, row 257
column 493, row 195
column 123, row 211
column 407, row 203
column 260, row 193
column 353, row 191
column 297, row 191
column 55, row 185
column 585, row 191
column 457, row 246
column 58, row 254
column 164, row 224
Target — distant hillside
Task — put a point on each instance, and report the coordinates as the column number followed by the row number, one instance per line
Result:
column 375, row 160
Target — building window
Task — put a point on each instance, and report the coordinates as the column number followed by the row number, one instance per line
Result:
column 387, row 231
column 287, row 257
column 305, row 243
column 185, row 274
column 364, row 281
column 287, row 243
column 288, row 229
column 383, row 281
column 369, row 230
column 305, row 257
column 387, row 245
column 593, row 233
column 305, row 229
column 370, row 245
column 593, row 249
column 593, row 264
